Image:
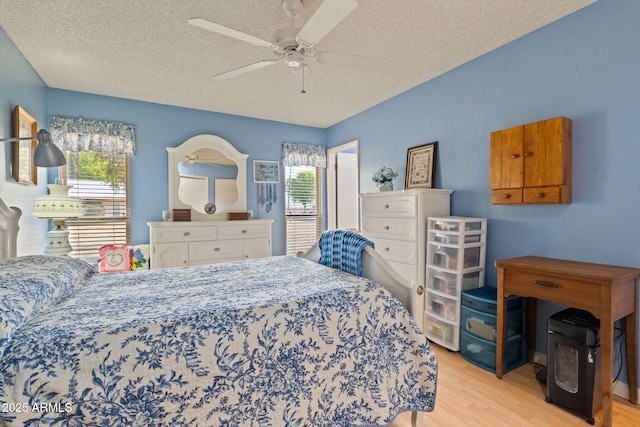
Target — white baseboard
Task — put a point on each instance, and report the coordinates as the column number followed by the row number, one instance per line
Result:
column 620, row 389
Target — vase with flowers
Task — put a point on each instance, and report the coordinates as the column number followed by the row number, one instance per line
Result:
column 383, row 177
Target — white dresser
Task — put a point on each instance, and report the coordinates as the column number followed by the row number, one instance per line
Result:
column 396, row 221
column 177, row 244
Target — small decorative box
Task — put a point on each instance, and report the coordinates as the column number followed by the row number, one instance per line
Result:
column 182, row 214
column 234, row 216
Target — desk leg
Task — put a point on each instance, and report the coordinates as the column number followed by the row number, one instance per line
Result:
column 532, row 304
column 606, row 367
column 632, row 355
column 501, row 324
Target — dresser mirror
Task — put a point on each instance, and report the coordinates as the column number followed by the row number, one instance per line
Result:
column 207, row 175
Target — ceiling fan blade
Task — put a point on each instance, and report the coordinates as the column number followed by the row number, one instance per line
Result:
column 245, row 69
column 230, row 32
column 328, row 15
column 365, row 63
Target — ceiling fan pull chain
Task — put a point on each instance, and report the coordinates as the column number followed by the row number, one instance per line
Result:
column 303, row 91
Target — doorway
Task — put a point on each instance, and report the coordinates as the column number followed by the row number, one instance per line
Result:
column 343, row 187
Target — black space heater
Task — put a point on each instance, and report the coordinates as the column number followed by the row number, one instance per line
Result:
column 573, row 362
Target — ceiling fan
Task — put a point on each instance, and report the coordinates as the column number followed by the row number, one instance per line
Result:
column 296, row 47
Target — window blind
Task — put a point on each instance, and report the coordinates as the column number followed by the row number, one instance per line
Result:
column 101, row 180
column 303, row 207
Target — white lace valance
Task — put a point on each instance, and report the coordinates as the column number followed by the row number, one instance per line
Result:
column 298, row 154
column 92, row 135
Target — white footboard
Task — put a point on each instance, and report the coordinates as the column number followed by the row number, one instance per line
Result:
column 374, row 267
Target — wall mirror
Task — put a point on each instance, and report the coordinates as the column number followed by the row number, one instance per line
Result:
column 204, row 171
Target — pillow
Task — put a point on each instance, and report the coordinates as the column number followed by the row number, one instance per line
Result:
column 139, row 257
column 30, row 284
column 114, row 258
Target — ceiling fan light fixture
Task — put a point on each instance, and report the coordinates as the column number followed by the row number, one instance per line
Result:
column 294, row 59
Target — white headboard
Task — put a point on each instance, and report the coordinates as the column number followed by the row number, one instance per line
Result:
column 9, row 217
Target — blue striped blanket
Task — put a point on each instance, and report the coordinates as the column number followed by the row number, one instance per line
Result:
column 342, row 249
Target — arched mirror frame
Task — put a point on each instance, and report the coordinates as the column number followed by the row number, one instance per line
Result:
column 176, row 154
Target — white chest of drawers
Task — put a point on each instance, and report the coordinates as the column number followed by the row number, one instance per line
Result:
column 177, row 244
column 396, row 221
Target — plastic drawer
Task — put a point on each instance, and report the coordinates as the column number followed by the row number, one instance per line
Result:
column 485, row 299
column 442, row 282
column 454, row 239
column 442, row 306
column 455, row 225
column 447, row 283
column 482, row 353
column 483, row 324
column 440, row 331
column 447, row 257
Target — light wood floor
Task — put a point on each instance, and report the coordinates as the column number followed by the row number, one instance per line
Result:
column 470, row 396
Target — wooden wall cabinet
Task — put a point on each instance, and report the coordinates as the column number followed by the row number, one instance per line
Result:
column 532, row 163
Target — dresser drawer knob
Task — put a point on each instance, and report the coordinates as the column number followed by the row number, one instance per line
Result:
column 244, row 231
column 386, row 227
column 386, row 206
column 506, row 196
column 539, row 195
column 186, row 233
column 386, row 249
column 547, row 284
column 216, row 249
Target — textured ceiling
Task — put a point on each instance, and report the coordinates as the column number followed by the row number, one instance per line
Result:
column 145, row 50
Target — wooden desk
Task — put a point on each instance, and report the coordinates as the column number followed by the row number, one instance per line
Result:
column 610, row 293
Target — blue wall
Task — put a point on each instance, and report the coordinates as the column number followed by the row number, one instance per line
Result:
column 160, row 126
column 21, row 85
column 585, row 67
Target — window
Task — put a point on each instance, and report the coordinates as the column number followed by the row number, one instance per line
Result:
column 303, row 207
column 101, row 180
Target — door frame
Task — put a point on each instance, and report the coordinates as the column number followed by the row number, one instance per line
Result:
column 332, row 184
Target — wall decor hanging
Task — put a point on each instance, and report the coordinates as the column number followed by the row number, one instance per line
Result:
column 421, row 166
column 266, row 174
column 24, row 169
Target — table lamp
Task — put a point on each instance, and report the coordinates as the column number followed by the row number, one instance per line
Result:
column 58, row 206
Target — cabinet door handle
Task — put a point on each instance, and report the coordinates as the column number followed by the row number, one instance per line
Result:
column 386, row 206
column 186, row 233
column 386, row 227
column 386, row 249
column 216, row 249
column 515, row 156
column 244, row 232
column 528, row 154
column 547, row 284
column 420, row 290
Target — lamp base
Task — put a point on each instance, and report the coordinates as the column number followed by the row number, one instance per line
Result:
column 58, row 244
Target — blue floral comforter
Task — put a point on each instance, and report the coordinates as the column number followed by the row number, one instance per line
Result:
column 278, row 341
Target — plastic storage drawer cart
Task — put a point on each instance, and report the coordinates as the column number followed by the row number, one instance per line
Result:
column 455, row 262
column 478, row 329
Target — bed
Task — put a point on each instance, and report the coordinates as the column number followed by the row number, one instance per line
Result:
column 267, row 342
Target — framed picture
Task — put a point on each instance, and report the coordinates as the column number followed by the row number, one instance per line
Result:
column 266, row 172
column 421, row 166
column 24, row 171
